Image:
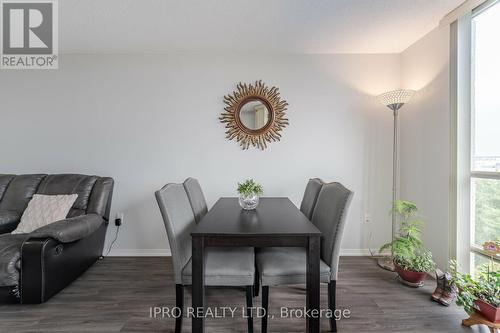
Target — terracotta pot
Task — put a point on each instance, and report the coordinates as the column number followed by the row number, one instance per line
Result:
column 410, row 276
column 487, row 311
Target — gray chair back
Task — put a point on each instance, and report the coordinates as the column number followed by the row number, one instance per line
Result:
column 310, row 197
column 196, row 198
column 329, row 217
column 179, row 221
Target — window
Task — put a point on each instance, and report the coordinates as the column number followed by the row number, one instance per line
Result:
column 485, row 134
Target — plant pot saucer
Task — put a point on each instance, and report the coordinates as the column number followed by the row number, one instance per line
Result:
column 410, row 284
column 386, row 263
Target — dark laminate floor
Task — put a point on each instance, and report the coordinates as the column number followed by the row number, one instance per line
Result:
column 116, row 294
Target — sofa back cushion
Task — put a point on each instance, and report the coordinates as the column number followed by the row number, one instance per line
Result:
column 70, row 184
column 19, row 192
column 4, row 182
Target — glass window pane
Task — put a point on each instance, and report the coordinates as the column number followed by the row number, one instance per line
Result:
column 481, row 263
column 485, row 210
column 485, row 93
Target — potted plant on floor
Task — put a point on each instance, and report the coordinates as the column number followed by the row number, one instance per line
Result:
column 411, row 260
column 480, row 294
column 249, row 192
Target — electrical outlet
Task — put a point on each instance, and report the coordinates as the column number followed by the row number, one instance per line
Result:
column 368, row 218
column 119, row 219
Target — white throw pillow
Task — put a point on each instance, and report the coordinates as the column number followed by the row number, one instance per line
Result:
column 43, row 210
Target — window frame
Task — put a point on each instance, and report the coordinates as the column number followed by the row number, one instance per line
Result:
column 474, row 174
column 461, row 247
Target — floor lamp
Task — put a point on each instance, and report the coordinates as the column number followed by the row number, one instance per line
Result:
column 394, row 100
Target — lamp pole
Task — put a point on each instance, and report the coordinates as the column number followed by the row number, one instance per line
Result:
column 387, row 263
column 394, row 173
column 394, row 100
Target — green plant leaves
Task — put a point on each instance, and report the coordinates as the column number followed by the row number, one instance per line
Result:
column 485, row 287
column 249, row 188
column 404, row 208
column 407, row 247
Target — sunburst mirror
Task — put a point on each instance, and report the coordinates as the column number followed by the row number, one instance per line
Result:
column 254, row 115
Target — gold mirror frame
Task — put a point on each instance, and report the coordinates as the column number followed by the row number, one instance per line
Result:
column 276, row 107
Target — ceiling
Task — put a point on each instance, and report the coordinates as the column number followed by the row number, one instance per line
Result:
column 246, row 26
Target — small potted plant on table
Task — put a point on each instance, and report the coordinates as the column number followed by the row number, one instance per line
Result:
column 249, row 192
column 411, row 260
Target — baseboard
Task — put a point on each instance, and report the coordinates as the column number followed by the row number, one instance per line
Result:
column 355, row 253
column 140, row 253
column 167, row 253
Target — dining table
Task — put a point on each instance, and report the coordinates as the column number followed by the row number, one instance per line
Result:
column 276, row 222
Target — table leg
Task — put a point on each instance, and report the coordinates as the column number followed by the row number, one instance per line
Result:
column 198, row 262
column 312, row 281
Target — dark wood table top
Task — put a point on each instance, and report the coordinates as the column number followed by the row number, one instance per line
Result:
column 272, row 217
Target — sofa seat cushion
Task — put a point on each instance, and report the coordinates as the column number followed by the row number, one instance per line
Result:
column 8, row 220
column 10, row 257
column 286, row 265
column 225, row 267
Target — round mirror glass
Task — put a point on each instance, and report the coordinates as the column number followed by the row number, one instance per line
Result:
column 254, row 115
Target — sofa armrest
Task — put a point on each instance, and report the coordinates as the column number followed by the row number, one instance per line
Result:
column 70, row 230
column 49, row 265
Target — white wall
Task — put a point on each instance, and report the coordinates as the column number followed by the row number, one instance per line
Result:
column 425, row 137
column 151, row 119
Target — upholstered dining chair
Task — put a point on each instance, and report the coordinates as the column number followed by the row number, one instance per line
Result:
column 234, row 267
column 310, row 196
column 196, row 198
column 282, row 266
column 306, row 207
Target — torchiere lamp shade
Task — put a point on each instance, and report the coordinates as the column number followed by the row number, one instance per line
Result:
column 395, row 99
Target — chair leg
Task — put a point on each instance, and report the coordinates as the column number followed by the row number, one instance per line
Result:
column 257, row 275
column 250, row 293
column 332, row 286
column 179, row 302
column 265, row 305
column 256, row 286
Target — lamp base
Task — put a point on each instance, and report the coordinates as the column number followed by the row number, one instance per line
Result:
column 386, row 263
